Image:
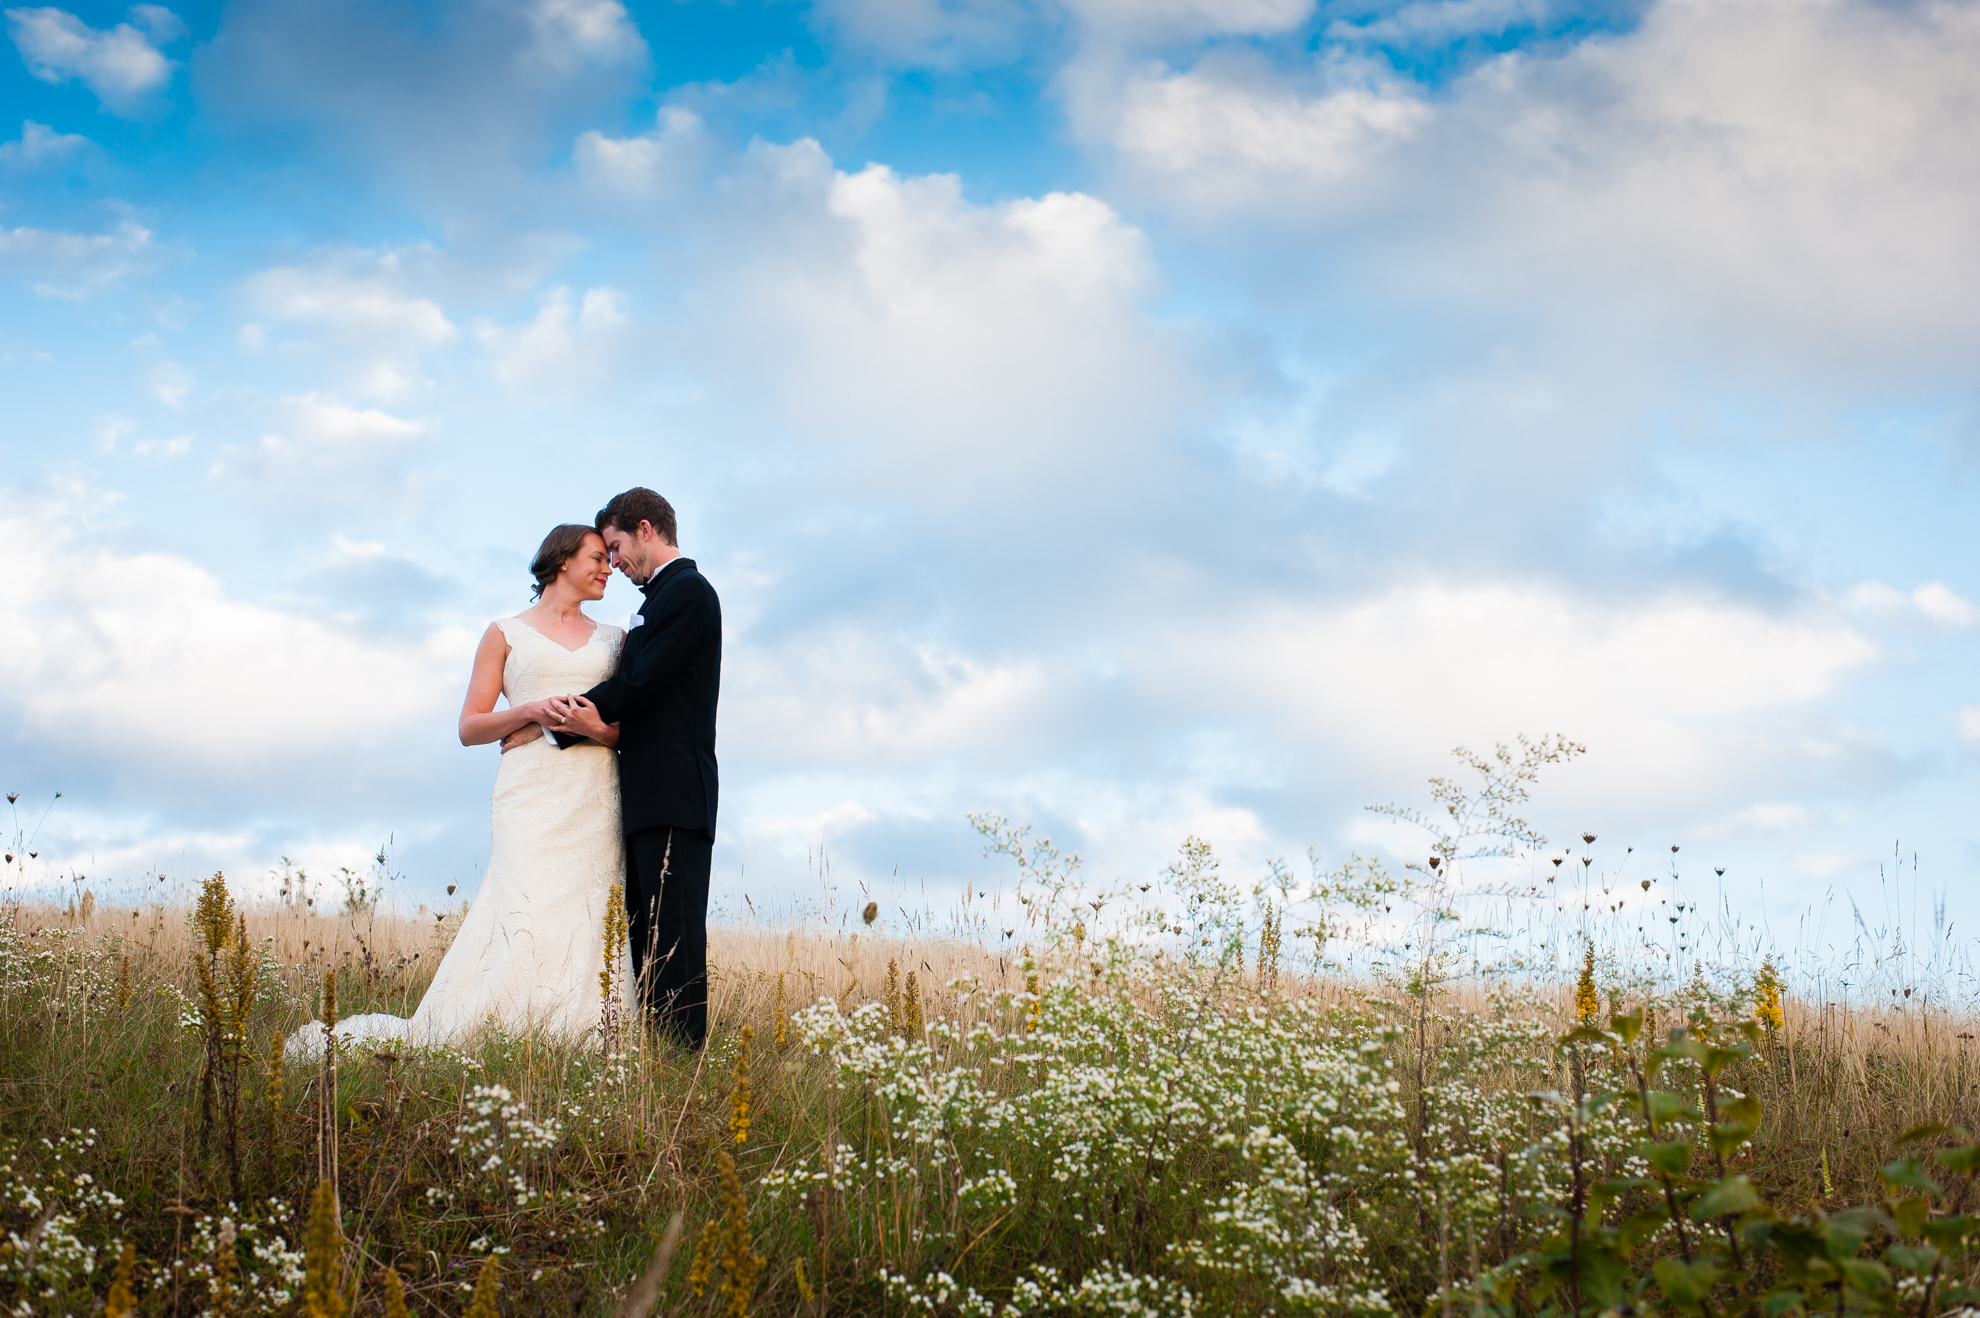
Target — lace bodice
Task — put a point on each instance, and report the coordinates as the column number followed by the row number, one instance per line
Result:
column 537, row 666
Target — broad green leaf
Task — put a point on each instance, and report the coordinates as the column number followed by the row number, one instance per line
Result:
column 1603, row 1276
column 1909, row 1174
column 1641, row 1226
column 1665, row 1108
column 1947, row 1232
column 1686, row 1283
column 1910, row 1215
column 1726, row 1138
column 1589, row 1034
column 1627, row 1027
column 1780, row 1302
column 1718, row 1059
column 1672, row 1159
column 1689, row 1050
column 1735, row 1194
column 1603, row 1192
column 1965, row 1158
column 1845, row 1232
column 1916, row 1259
column 1873, row 1278
column 1960, row 1295
column 1745, row 1109
column 1930, row 1130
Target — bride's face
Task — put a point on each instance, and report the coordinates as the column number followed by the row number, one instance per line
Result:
column 587, row 571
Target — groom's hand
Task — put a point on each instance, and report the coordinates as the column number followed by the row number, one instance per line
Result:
column 580, row 718
column 522, row 736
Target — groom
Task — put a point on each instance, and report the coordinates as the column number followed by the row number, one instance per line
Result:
column 663, row 699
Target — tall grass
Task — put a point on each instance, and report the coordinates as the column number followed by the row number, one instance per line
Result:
column 1165, row 1104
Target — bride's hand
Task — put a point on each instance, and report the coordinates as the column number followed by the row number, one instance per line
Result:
column 522, row 736
column 581, row 718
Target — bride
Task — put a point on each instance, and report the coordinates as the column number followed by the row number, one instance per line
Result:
column 531, row 951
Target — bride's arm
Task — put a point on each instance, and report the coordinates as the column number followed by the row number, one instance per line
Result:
column 481, row 722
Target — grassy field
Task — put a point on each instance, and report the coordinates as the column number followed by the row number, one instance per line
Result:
column 1363, row 1093
column 894, row 1126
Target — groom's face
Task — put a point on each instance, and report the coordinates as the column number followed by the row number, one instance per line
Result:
column 631, row 553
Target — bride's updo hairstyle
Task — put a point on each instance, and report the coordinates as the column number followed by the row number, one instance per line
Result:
column 562, row 542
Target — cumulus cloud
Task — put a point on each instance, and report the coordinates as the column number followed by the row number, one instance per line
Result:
column 39, row 145
column 74, row 266
column 149, row 658
column 122, row 65
column 648, row 162
column 1934, row 601
column 354, row 311
column 561, row 348
column 944, row 343
column 571, row 33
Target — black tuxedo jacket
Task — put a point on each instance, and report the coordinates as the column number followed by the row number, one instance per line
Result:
column 663, row 699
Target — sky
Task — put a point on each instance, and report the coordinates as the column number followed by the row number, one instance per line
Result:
column 1139, row 418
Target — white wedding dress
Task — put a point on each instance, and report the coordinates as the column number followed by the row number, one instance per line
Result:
column 529, row 955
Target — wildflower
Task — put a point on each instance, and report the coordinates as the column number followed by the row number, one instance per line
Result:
column 1767, row 996
column 911, row 1009
column 1587, row 1003
column 323, row 1244
column 395, row 1294
column 782, row 1035
column 485, row 1289
column 123, row 1288
column 226, row 1267
column 739, row 1097
column 893, row 995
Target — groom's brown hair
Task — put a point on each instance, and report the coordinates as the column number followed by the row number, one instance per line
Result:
column 639, row 504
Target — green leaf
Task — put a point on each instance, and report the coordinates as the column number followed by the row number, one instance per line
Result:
column 1718, row 1059
column 1965, row 1158
column 1780, row 1302
column 1864, row 1275
column 1589, row 1034
column 1627, row 1027
column 1603, row 1192
column 1844, row 1233
column 1670, row 1107
column 1689, row 1050
column 1603, row 1276
column 1910, row 1215
column 1915, row 1259
column 1960, row 1295
column 1947, row 1232
column 1909, row 1174
column 1642, row 1226
column 1744, row 1110
column 1726, row 1138
column 1686, row 1284
column 1672, row 1159
column 1930, row 1130
column 1735, row 1194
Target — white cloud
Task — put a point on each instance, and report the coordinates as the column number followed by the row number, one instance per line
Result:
column 573, row 32
column 1937, row 601
column 170, row 383
column 1934, row 601
column 1391, row 679
column 111, row 429
column 148, row 657
column 917, row 333
column 74, row 266
column 1223, row 140
column 123, row 65
column 1187, row 19
column 357, row 314
column 1803, row 170
column 1969, row 722
column 558, row 349
column 648, row 162
column 163, row 449
column 40, row 144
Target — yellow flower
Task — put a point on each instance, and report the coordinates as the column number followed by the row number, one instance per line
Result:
column 1587, row 1003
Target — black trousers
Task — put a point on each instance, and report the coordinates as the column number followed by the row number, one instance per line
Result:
column 667, row 918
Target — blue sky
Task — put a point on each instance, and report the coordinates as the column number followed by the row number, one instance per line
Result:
column 1142, row 419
